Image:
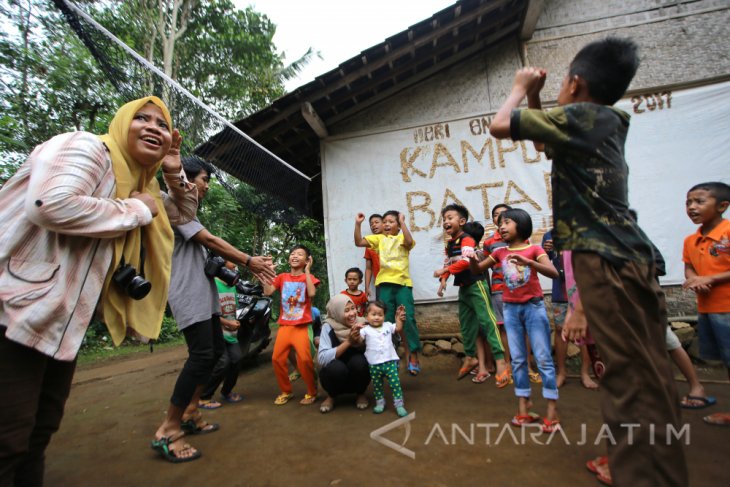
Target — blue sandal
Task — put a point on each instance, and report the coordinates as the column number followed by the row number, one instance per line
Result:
column 413, row 369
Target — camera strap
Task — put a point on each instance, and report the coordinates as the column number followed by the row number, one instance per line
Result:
column 141, row 254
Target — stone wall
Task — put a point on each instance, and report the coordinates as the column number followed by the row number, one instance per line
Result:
column 441, row 319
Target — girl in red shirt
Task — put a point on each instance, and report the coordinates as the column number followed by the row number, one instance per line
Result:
column 524, row 312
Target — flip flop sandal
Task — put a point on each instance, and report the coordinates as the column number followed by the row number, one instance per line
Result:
column 190, row 427
column 307, row 400
column 718, row 419
column 162, row 446
column 550, row 426
column 209, row 404
column 535, row 377
column 522, row 419
column 481, row 378
column 232, row 398
column 465, row 370
column 414, row 369
column 504, row 379
column 603, row 479
column 592, row 465
column 283, row 398
column 705, row 402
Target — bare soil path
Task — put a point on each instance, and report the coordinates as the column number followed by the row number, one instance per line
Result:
column 116, row 406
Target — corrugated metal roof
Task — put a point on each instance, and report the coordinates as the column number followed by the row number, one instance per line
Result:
column 434, row 44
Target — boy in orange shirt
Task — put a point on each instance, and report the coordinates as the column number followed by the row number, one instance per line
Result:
column 706, row 259
column 353, row 279
column 297, row 288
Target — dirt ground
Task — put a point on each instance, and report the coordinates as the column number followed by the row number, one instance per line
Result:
column 116, row 406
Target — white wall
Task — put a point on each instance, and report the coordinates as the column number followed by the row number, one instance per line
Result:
column 670, row 148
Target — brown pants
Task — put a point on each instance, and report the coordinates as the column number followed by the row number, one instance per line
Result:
column 34, row 389
column 627, row 316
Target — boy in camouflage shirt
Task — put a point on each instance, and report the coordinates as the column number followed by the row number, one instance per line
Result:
column 612, row 257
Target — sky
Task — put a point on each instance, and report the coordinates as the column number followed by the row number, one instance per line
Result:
column 338, row 29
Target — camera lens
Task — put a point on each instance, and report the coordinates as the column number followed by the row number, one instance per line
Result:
column 138, row 287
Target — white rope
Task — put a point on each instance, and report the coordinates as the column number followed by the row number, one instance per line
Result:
column 174, row 83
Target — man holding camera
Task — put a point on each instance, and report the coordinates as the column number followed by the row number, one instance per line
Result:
column 193, row 299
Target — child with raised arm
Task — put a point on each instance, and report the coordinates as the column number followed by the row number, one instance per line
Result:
column 476, row 318
column 372, row 260
column 706, row 259
column 524, row 313
column 297, row 288
column 394, row 280
column 612, row 258
column 381, row 355
column 353, row 279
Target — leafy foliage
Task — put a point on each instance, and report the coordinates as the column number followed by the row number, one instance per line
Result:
column 50, row 84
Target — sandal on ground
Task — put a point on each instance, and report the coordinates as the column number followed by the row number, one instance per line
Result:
column 163, row 447
column 294, row 376
column 413, row 369
column 233, row 397
column 592, row 465
column 209, row 404
column 481, row 378
column 503, row 379
column 697, row 402
column 550, row 426
column 401, row 411
column 377, row 409
column 199, row 426
column 465, row 370
column 522, row 419
column 283, row 398
column 307, row 400
column 327, row 405
column 605, row 480
column 718, row 419
column 534, row 377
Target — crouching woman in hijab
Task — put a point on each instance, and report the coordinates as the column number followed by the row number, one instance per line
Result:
column 341, row 354
column 79, row 214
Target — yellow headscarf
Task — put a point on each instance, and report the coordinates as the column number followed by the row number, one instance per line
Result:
column 119, row 311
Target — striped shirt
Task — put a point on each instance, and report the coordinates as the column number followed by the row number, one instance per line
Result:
column 60, row 218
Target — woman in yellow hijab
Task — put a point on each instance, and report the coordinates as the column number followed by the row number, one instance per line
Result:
column 76, row 215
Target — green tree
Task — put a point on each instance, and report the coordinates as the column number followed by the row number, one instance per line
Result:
column 49, row 83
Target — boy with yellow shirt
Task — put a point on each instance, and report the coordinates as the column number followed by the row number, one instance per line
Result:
column 394, row 280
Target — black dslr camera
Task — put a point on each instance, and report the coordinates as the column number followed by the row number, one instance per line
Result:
column 215, row 266
column 133, row 284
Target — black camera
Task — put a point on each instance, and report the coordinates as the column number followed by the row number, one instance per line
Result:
column 215, row 266
column 135, row 285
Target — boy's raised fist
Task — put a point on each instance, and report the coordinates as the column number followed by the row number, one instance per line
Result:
column 360, row 218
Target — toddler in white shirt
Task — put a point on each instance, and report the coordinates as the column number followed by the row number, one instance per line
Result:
column 381, row 355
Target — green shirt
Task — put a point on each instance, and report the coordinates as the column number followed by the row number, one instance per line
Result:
column 229, row 304
column 589, row 178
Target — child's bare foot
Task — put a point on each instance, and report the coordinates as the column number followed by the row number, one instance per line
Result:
column 588, row 383
column 327, row 405
column 524, row 406
column 560, row 380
